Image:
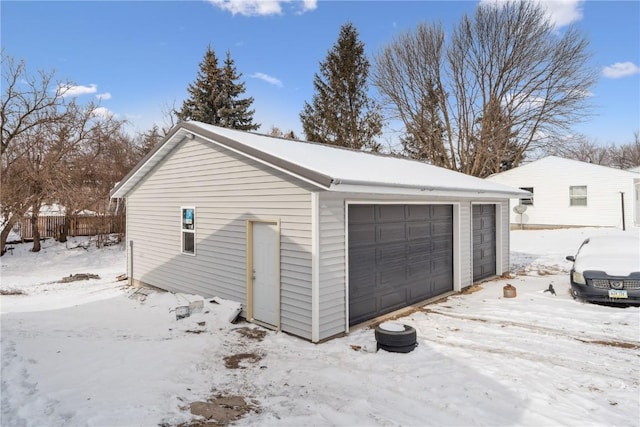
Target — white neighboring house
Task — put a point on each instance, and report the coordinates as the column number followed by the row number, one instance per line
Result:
column 568, row 192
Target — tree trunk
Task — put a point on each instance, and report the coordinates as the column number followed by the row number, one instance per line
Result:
column 5, row 232
column 35, row 229
column 63, row 230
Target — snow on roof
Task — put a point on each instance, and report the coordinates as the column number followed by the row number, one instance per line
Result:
column 333, row 168
column 551, row 162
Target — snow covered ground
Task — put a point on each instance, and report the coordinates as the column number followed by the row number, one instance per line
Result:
column 96, row 353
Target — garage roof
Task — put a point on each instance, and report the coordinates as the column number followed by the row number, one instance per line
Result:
column 327, row 167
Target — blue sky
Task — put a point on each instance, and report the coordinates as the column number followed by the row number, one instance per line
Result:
column 138, row 57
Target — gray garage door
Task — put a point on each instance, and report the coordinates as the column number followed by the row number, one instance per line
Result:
column 398, row 255
column 484, row 241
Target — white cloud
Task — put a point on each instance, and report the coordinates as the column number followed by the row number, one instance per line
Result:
column 308, row 5
column 103, row 96
column 76, row 90
column 560, row 12
column 563, row 12
column 620, row 69
column 103, row 112
column 267, row 78
column 262, row 7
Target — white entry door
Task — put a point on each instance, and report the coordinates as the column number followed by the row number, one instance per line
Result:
column 266, row 292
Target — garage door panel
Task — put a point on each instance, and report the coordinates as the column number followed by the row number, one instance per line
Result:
column 386, row 213
column 441, row 229
column 412, row 257
column 362, row 277
column 393, row 300
column 366, row 305
column 442, row 246
column 361, row 235
column 418, row 212
column 391, row 232
column 418, row 251
column 418, row 230
column 364, row 255
column 390, row 277
column 419, row 268
column 389, row 254
column 363, row 214
column 440, row 286
column 441, row 212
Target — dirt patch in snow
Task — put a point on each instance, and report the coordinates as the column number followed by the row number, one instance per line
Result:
column 235, row 361
column 11, row 292
column 252, row 333
column 471, row 289
column 220, row 410
column 620, row 344
column 80, row 276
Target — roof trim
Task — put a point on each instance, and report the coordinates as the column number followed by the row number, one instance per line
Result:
column 430, row 188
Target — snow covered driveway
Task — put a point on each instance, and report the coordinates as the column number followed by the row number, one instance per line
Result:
column 87, row 353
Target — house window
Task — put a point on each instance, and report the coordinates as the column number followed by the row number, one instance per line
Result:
column 527, row 200
column 578, row 195
column 189, row 231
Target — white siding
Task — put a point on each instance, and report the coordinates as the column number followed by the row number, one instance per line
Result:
column 465, row 242
column 332, row 265
column 502, row 210
column 226, row 190
column 551, row 178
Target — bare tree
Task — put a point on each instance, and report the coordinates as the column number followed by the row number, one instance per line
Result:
column 626, row 156
column 277, row 132
column 45, row 138
column 28, row 102
column 623, row 156
column 478, row 101
column 582, row 149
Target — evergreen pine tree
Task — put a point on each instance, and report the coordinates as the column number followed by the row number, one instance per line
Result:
column 234, row 111
column 341, row 112
column 213, row 97
column 201, row 104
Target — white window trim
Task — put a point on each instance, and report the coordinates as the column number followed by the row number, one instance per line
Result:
column 182, row 230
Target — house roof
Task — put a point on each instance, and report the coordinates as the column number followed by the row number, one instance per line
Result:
column 326, row 167
column 551, row 162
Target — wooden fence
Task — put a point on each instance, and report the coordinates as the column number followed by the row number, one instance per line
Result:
column 51, row 226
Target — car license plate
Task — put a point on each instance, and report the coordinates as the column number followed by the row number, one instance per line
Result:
column 614, row 293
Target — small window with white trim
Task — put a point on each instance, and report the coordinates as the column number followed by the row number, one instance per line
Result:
column 189, row 231
column 578, row 195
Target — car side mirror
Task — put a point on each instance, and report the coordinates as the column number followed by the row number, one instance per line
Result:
column 571, row 258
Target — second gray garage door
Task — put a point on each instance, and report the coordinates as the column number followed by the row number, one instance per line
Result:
column 398, row 255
